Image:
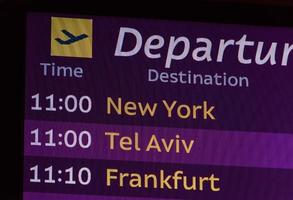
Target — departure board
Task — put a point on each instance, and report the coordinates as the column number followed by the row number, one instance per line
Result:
column 125, row 108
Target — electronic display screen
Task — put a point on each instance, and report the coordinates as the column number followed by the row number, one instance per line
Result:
column 125, row 108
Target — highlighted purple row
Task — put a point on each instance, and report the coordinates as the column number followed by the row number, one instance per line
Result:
column 158, row 144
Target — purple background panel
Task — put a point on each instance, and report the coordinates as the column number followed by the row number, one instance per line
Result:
column 250, row 138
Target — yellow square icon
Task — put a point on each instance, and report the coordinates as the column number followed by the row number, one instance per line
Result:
column 71, row 37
